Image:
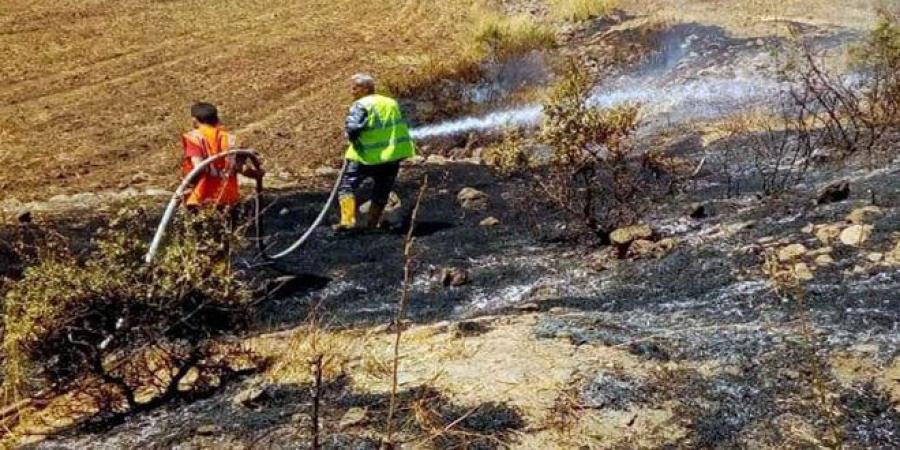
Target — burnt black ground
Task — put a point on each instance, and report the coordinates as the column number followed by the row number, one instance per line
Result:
column 707, row 302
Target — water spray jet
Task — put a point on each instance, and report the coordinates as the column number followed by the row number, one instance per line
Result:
column 695, row 100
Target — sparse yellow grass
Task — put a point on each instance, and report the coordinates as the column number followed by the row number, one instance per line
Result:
column 498, row 35
column 487, row 34
column 305, row 344
column 581, row 10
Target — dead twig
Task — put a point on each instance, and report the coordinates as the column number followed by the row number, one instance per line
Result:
column 401, row 312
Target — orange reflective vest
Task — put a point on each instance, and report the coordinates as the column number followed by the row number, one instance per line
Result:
column 218, row 184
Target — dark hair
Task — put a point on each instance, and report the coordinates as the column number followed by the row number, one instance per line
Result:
column 205, row 113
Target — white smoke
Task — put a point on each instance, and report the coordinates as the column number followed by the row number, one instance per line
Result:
column 529, row 115
column 675, row 103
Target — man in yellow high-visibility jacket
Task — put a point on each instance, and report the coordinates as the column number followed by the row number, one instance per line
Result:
column 379, row 140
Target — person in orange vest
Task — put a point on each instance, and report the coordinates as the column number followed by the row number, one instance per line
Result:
column 218, row 184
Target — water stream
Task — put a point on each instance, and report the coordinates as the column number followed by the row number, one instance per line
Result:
column 663, row 103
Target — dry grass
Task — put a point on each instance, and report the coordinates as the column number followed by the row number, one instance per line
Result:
column 488, row 35
column 501, row 36
column 581, row 10
column 306, row 344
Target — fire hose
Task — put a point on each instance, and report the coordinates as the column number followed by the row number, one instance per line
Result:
column 254, row 159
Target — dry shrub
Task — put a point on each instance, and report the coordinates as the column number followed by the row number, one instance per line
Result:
column 852, row 115
column 123, row 333
column 781, row 147
column 446, row 425
column 508, row 156
column 586, row 167
column 856, row 113
column 566, row 412
column 581, row 10
column 595, row 176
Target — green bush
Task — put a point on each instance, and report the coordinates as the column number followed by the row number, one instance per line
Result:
column 115, row 327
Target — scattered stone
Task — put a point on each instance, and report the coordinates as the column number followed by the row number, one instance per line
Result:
column 833, row 193
column 325, row 171
column 664, row 246
column 459, row 153
column 894, row 256
column 353, row 417
column 393, row 211
column 791, row 252
column 208, row 430
column 605, row 259
column 855, row 235
column 626, row 235
column 471, row 198
column 865, row 349
column 24, row 217
column 454, row 276
column 140, row 177
column 468, row 328
column 698, row 211
column 490, row 222
column 157, row 192
column 251, row 396
column 528, row 307
column 819, row 251
column 821, row 155
column 436, row 160
column 415, row 160
column 824, row 260
column 875, row 257
column 827, row 233
column 424, row 108
column 803, row 272
column 641, row 248
column 864, row 215
column 808, row 229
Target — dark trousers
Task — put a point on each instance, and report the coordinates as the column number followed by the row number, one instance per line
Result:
column 384, row 176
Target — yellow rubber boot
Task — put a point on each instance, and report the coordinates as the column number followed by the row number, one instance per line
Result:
column 348, row 213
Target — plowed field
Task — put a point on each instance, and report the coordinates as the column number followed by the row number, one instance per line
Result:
column 93, row 92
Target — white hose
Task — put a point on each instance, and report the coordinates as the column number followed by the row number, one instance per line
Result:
column 316, row 223
column 179, row 193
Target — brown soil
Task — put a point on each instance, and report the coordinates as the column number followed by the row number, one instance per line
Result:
column 93, row 92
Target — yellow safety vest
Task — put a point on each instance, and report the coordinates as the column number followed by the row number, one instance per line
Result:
column 386, row 135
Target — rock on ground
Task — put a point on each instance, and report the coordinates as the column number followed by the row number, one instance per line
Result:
column 471, row 198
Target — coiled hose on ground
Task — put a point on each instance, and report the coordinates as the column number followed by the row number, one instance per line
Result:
column 254, row 159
